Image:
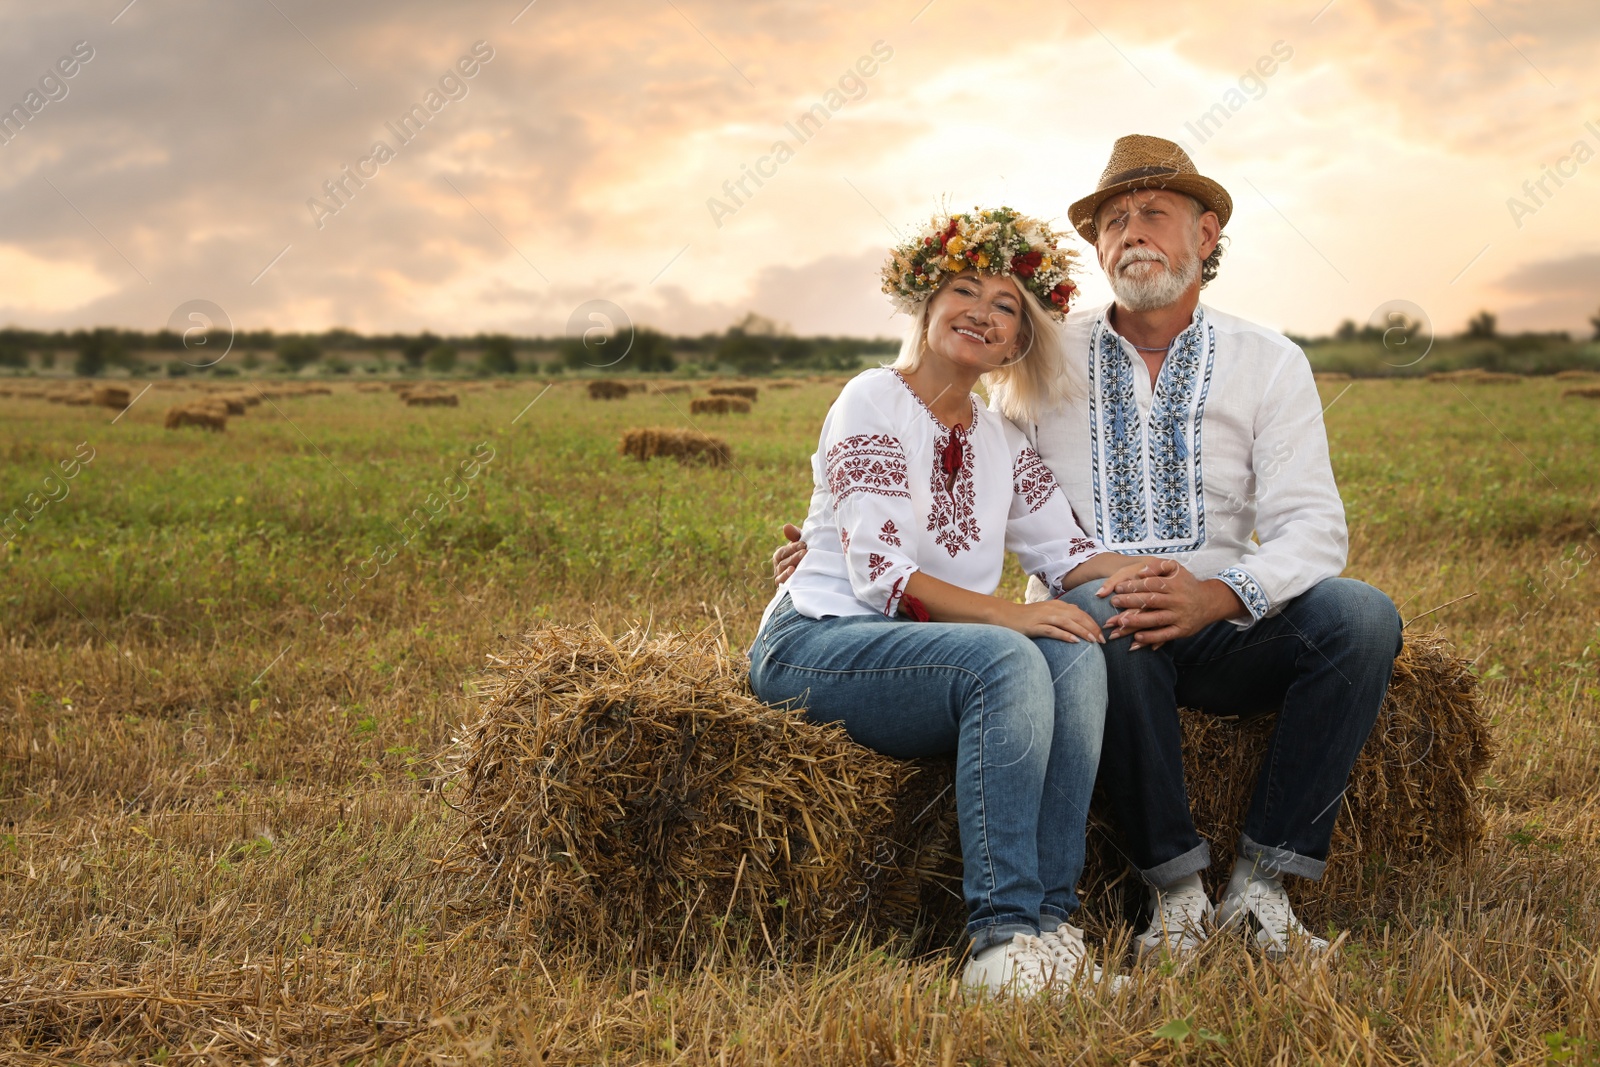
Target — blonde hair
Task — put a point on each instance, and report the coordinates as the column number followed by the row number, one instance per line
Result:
column 1026, row 387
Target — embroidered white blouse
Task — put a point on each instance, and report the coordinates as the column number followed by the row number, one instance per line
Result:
column 883, row 505
column 1228, row 443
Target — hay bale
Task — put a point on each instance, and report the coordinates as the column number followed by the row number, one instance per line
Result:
column 1576, row 375
column 209, row 418
column 1475, row 376
column 1591, row 392
column 748, row 392
column 718, row 405
column 604, row 389
column 686, row 446
column 430, row 399
column 111, row 396
column 633, row 789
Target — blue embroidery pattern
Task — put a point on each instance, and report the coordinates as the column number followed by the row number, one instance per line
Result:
column 1169, row 515
column 1124, row 459
column 1239, row 580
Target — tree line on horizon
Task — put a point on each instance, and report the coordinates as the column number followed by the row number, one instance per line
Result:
column 753, row 346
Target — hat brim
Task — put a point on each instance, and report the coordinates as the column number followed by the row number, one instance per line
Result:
column 1213, row 196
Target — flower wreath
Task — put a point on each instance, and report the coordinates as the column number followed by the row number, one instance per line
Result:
column 994, row 241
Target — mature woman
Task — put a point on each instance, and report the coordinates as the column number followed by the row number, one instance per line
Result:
column 890, row 625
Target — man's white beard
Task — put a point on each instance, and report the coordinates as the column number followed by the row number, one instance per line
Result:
column 1153, row 289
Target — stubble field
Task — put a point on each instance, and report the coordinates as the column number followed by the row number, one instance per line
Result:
column 222, row 833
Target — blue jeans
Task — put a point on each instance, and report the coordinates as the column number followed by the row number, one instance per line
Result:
column 1022, row 716
column 1323, row 664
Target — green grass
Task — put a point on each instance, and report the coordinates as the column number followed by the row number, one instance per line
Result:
column 219, row 821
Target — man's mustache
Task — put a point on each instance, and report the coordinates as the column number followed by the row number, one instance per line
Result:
column 1142, row 255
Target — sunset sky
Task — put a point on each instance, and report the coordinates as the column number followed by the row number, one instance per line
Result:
column 580, row 159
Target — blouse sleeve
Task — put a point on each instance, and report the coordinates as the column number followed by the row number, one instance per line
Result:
column 1041, row 529
column 868, row 484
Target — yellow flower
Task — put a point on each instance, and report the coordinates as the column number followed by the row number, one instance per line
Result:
column 956, row 246
column 1044, row 264
column 954, row 263
column 983, row 260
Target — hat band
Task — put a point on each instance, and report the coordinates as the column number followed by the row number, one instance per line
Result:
column 1140, row 172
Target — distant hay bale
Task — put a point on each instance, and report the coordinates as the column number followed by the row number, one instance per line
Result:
column 748, row 392
column 233, row 405
column 633, row 788
column 430, row 399
column 718, row 405
column 1476, row 376
column 402, row 387
column 783, row 384
column 1576, row 375
column 207, row 417
column 1592, row 392
column 686, row 446
column 605, row 389
column 111, row 396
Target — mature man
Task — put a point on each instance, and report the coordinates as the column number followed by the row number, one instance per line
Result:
column 1188, row 431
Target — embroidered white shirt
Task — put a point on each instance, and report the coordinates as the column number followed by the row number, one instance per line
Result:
column 1228, row 443
column 883, row 505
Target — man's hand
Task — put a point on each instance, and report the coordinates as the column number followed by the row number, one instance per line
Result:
column 788, row 557
column 1160, row 601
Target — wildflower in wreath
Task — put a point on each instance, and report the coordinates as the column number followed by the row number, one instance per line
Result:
column 994, row 241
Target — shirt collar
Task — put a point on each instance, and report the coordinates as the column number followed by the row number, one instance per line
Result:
column 1102, row 322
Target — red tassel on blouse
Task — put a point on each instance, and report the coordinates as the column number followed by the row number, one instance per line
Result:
column 913, row 608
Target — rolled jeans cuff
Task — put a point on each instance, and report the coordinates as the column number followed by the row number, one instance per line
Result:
column 1050, row 918
column 1280, row 861
column 1195, row 860
column 997, row 933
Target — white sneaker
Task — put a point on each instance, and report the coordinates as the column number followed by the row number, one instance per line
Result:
column 1179, row 924
column 1264, row 905
column 1023, row 965
column 1073, row 963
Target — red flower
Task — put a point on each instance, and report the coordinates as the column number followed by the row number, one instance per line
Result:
column 1062, row 293
column 949, row 232
column 1024, row 265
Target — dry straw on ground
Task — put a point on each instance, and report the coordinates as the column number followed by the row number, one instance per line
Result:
column 632, row 790
column 748, row 392
column 604, row 389
column 686, row 446
column 430, row 399
column 1590, row 391
column 719, row 405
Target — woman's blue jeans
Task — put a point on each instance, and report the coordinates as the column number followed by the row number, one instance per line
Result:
column 1023, row 717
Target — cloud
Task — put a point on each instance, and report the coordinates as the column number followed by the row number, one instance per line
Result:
column 584, row 153
column 1562, row 293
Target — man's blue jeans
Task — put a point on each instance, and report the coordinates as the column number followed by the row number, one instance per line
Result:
column 1323, row 664
column 1022, row 716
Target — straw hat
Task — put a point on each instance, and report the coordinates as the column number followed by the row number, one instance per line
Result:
column 1141, row 162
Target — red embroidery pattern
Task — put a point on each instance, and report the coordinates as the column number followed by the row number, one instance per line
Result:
column 867, row 463
column 1031, row 480
column 1083, row 546
column 952, row 512
column 844, row 540
column 876, row 566
column 889, row 535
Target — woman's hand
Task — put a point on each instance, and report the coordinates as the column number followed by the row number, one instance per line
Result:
column 1053, row 618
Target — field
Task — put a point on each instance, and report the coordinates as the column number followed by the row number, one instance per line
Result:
column 230, row 661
